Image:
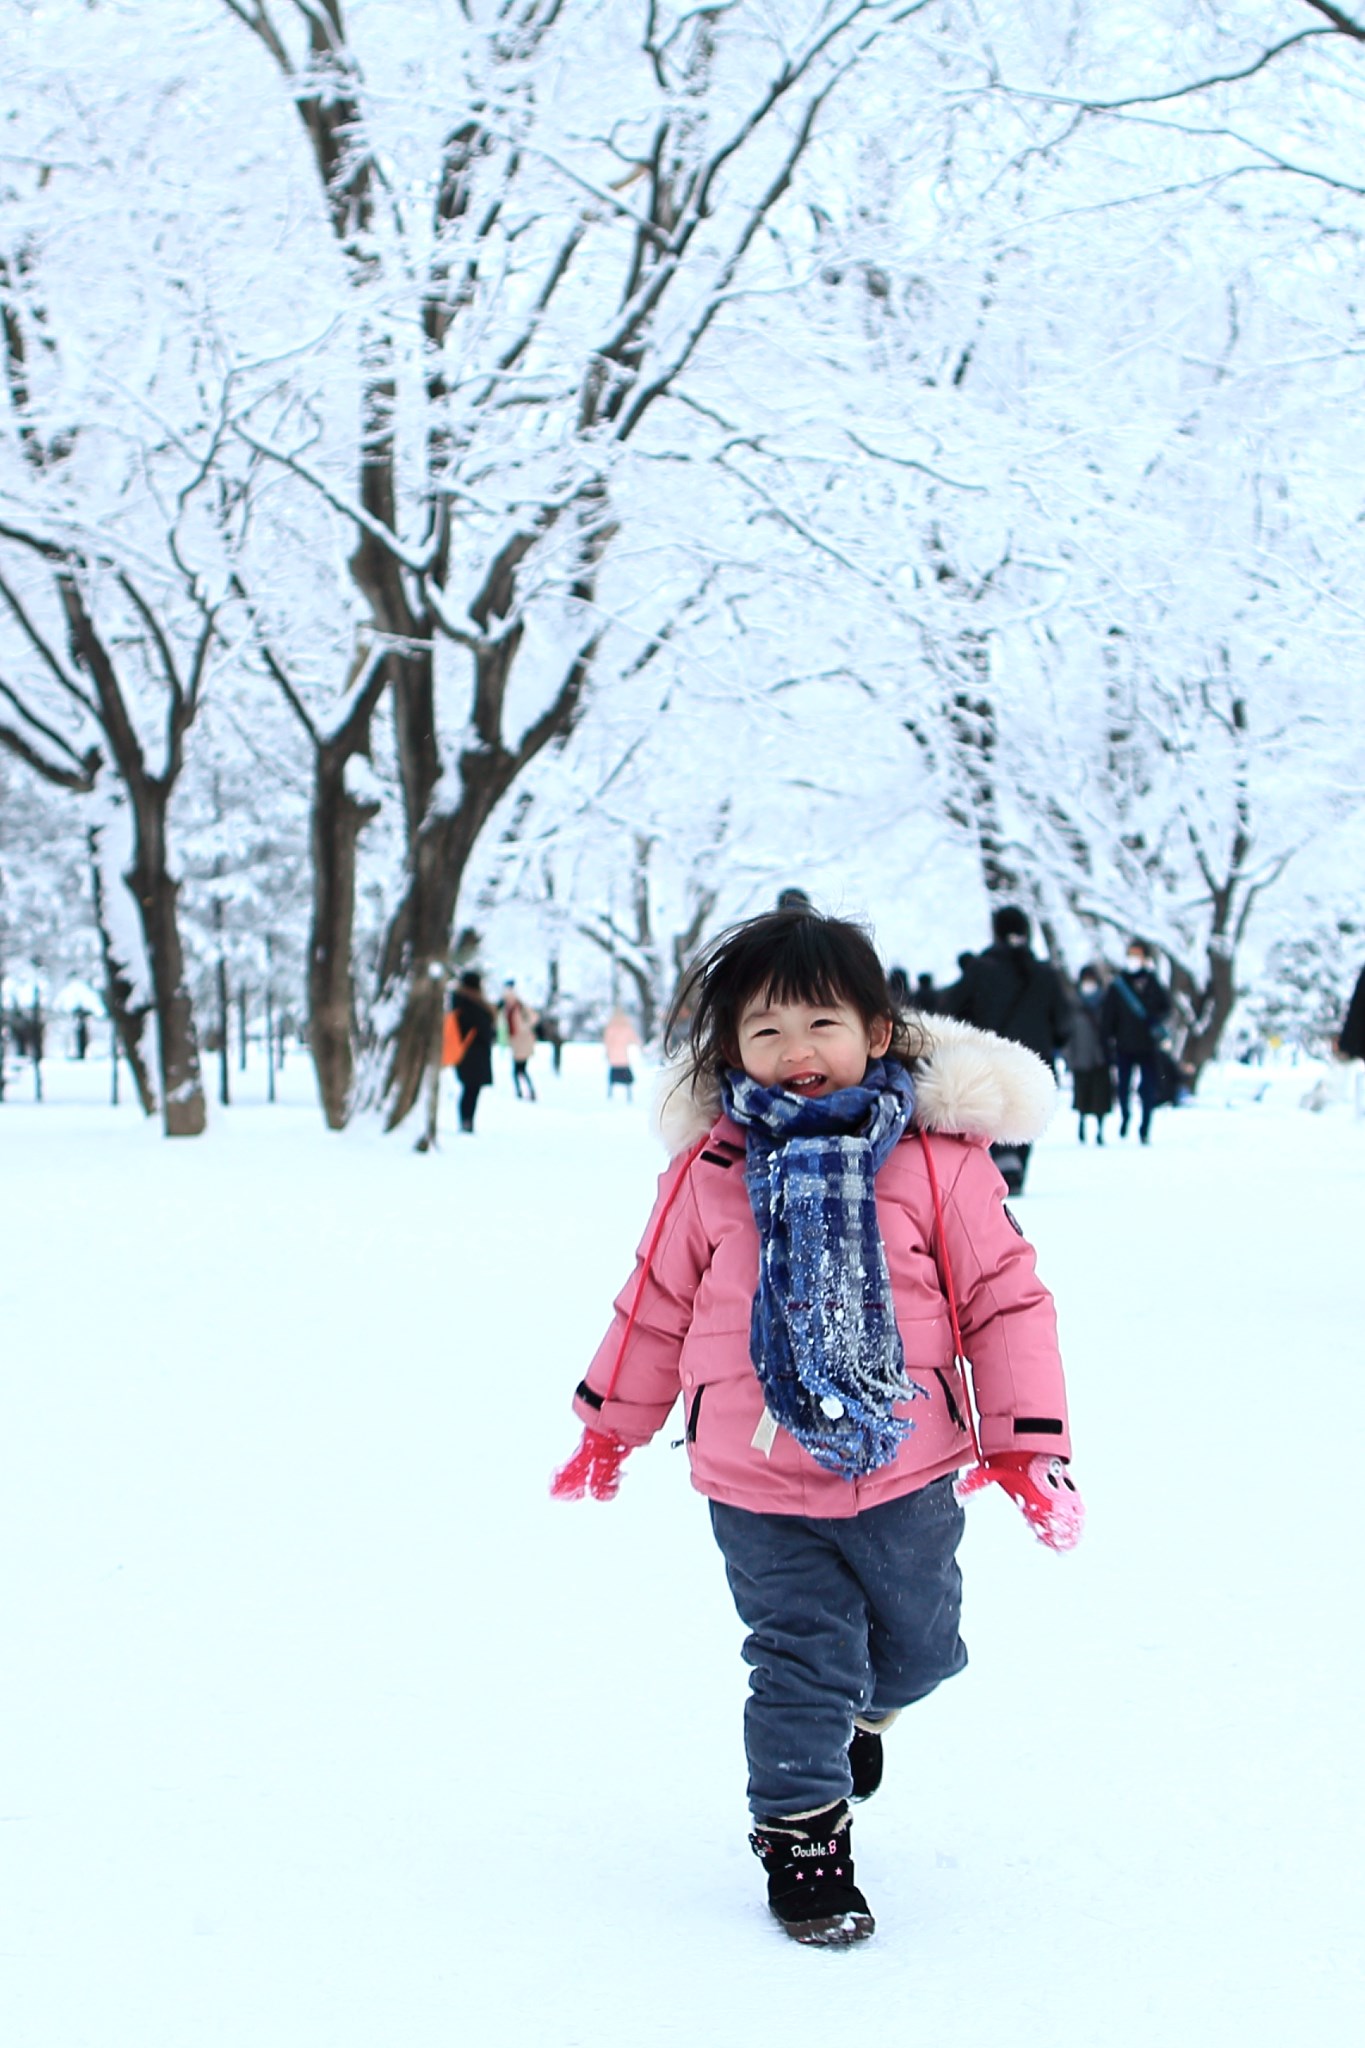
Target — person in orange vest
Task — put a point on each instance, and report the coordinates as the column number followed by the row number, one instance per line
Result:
column 468, row 1043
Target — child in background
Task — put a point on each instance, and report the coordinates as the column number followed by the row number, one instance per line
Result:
column 521, row 1038
column 830, row 1174
column 619, row 1041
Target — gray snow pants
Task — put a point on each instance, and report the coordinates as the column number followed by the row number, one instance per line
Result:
column 846, row 1616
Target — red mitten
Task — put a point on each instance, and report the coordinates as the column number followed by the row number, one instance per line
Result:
column 1040, row 1487
column 594, row 1468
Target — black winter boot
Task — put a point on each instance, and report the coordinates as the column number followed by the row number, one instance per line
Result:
column 865, row 1762
column 809, row 1862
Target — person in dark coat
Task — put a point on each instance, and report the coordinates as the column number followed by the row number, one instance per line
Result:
column 922, row 995
column 476, row 1024
column 1136, row 1006
column 1011, row 992
column 1087, row 1055
column 1351, row 1041
column 550, row 1032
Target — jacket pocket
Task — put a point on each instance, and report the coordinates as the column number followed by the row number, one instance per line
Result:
column 693, row 1414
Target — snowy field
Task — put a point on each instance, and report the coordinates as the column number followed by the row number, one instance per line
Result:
column 324, row 1728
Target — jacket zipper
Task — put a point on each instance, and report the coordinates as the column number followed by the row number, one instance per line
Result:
column 954, row 1411
column 689, row 1435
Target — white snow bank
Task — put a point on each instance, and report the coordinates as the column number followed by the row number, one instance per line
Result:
column 325, row 1728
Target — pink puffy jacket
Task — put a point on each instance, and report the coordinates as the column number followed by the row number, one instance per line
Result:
column 691, row 1330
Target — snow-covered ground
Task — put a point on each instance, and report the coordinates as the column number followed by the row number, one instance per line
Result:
column 324, row 1728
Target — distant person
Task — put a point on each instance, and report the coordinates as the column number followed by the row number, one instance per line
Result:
column 1136, row 1006
column 472, row 1016
column 1351, row 1040
column 793, row 899
column 521, row 1037
column 1087, row 1055
column 921, row 995
column 620, row 1040
column 1009, row 991
column 550, row 1032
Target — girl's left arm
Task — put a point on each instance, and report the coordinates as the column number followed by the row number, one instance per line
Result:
column 1009, row 1323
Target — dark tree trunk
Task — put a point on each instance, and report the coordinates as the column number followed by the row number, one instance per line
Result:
column 1209, row 1008
column 184, row 1112
column 418, row 941
column 338, row 819
column 129, row 1022
column 224, row 1034
column 972, row 722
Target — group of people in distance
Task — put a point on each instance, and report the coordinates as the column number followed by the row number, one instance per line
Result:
column 471, row 1029
column 1110, row 1034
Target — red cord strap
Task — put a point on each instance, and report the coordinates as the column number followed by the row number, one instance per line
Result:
column 650, row 1250
column 945, row 1267
column 946, row 1270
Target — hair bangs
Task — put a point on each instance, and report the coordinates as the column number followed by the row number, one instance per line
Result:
column 804, row 968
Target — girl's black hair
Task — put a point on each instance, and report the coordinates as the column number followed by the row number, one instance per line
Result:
column 790, row 956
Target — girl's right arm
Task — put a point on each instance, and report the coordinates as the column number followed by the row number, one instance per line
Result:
column 634, row 1377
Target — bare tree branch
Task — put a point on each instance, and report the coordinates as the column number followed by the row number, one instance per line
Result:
column 82, row 769
column 40, row 646
column 1339, row 19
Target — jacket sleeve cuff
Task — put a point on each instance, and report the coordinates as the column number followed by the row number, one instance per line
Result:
column 1032, row 1433
column 634, row 1422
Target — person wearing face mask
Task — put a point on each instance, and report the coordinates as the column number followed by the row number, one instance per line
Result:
column 1136, row 1006
column 1087, row 1055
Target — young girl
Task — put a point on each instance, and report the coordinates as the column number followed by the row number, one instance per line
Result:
column 833, row 1214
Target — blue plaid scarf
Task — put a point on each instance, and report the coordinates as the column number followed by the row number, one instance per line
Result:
column 823, row 1334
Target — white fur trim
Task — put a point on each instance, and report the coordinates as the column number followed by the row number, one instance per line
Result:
column 976, row 1085
column 969, row 1084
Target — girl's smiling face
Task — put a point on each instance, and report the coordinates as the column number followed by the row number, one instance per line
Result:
column 808, row 1048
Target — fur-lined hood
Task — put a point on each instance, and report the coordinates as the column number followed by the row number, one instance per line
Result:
column 968, row 1084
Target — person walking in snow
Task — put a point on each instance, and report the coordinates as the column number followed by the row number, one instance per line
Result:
column 619, row 1040
column 521, row 1038
column 1136, row 1006
column 830, row 1219
column 472, row 1027
column 1087, row 1055
column 549, row 1031
column 1008, row 990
